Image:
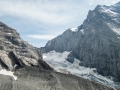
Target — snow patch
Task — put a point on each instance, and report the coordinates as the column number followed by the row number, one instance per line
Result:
column 116, row 20
column 74, row 29
column 108, row 11
column 7, row 42
column 8, row 33
column 15, row 66
column 44, row 56
column 82, row 30
column 56, row 56
column 114, row 28
column 118, row 37
column 9, row 73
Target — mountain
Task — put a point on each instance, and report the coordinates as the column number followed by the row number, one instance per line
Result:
column 15, row 52
column 96, row 43
column 22, row 68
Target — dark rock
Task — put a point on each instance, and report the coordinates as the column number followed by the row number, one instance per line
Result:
column 44, row 65
column 70, row 58
column 1, row 47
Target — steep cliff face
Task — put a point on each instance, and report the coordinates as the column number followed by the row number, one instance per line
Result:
column 96, row 42
column 17, row 53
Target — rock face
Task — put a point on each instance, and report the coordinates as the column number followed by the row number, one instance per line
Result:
column 17, row 53
column 36, row 79
column 96, row 42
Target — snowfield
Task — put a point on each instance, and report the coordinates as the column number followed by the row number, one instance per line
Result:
column 59, row 62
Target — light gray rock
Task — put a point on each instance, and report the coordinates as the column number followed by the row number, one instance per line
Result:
column 36, row 79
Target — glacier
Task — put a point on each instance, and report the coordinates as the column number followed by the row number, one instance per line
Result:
column 59, row 62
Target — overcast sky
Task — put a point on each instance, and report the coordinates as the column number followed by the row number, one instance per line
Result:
column 38, row 21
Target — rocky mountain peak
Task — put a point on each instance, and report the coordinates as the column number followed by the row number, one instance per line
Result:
column 106, row 16
column 96, row 42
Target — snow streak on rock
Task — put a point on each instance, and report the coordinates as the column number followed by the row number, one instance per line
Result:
column 74, row 29
column 9, row 73
column 114, row 28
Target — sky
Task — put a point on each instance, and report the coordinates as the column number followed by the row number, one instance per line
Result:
column 38, row 21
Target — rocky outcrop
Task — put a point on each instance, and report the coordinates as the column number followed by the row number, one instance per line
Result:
column 96, row 42
column 36, row 79
column 17, row 53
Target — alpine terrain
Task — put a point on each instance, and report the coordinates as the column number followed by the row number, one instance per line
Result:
column 22, row 68
column 92, row 50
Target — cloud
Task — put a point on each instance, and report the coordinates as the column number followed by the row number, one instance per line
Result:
column 101, row 2
column 43, row 37
column 53, row 12
column 45, row 11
